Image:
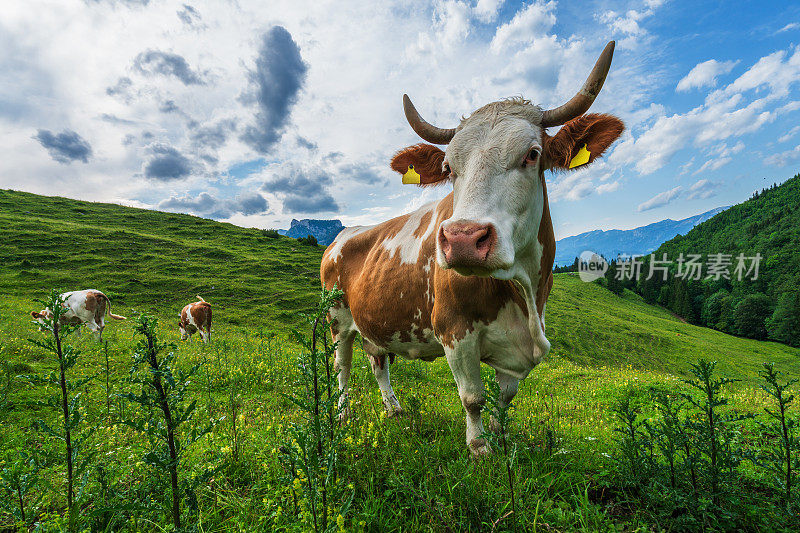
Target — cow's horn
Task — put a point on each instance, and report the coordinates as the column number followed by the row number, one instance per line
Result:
column 581, row 102
column 428, row 132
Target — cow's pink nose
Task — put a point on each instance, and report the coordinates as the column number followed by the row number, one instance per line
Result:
column 467, row 243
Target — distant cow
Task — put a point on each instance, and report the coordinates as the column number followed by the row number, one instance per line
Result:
column 196, row 317
column 87, row 307
column 467, row 277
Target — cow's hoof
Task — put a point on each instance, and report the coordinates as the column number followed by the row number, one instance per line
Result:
column 392, row 406
column 344, row 414
column 494, row 425
column 479, row 448
column 395, row 412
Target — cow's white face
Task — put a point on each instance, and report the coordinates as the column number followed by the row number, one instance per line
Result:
column 494, row 162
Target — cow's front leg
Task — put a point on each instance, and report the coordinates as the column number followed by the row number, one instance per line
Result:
column 380, row 368
column 508, row 389
column 465, row 364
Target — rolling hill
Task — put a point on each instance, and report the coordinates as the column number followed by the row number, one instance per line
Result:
column 153, row 261
column 156, row 262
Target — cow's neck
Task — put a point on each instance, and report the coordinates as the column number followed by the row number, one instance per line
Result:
column 530, row 262
column 527, row 273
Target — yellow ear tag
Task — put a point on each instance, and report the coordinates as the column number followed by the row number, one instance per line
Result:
column 581, row 158
column 411, row 176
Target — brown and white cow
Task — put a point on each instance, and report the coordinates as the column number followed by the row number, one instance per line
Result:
column 196, row 317
column 88, row 307
column 466, row 277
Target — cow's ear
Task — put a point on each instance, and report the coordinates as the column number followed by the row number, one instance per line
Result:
column 581, row 140
column 423, row 160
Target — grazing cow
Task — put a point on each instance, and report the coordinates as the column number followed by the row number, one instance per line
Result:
column 196, row 317
column 467, row 277
column 87, row 308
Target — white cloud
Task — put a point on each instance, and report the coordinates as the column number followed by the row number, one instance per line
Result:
column 660, row 199
column 789, row 134
column 705, row 74
column 783, row 159
column 608, row 187
column 486, row 10
column 776, row 71
column 788, row 27
column 530, row 23
column 578, row 184
column 720, row 156
column 628, row 24
column 702, row 189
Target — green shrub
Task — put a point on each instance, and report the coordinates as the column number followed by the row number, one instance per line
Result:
column 163, row 390
column 310, row 240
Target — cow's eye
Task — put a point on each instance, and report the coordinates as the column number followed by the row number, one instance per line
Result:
column 531, row 157
column 446, row 168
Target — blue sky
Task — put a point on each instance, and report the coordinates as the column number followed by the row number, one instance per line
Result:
column 259, row 112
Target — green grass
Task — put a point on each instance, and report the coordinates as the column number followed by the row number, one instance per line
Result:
column 409, row 473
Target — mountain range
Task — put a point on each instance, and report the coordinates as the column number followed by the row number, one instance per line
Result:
column 636, row 241
column 323, row 230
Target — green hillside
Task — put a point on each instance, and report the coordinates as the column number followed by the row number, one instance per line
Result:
column 155, row 262
column 767, row 307
column 152, row 261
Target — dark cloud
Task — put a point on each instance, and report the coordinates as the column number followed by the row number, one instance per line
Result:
column 167, row 163
column 302, row 190
column 114, row 119
column 152, row 62
column 213, row 137
column 65, row 147
column 275, row 83
column 305, row 143
column 189, row 15
column 360, row 173
column 252, row 204
column 332, row 157
column 121, row 88
column 207, row 205
column 169, row 106
column 203, row 203
column 144, row 137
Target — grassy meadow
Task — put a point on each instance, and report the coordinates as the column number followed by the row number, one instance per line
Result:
column 410, row 473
